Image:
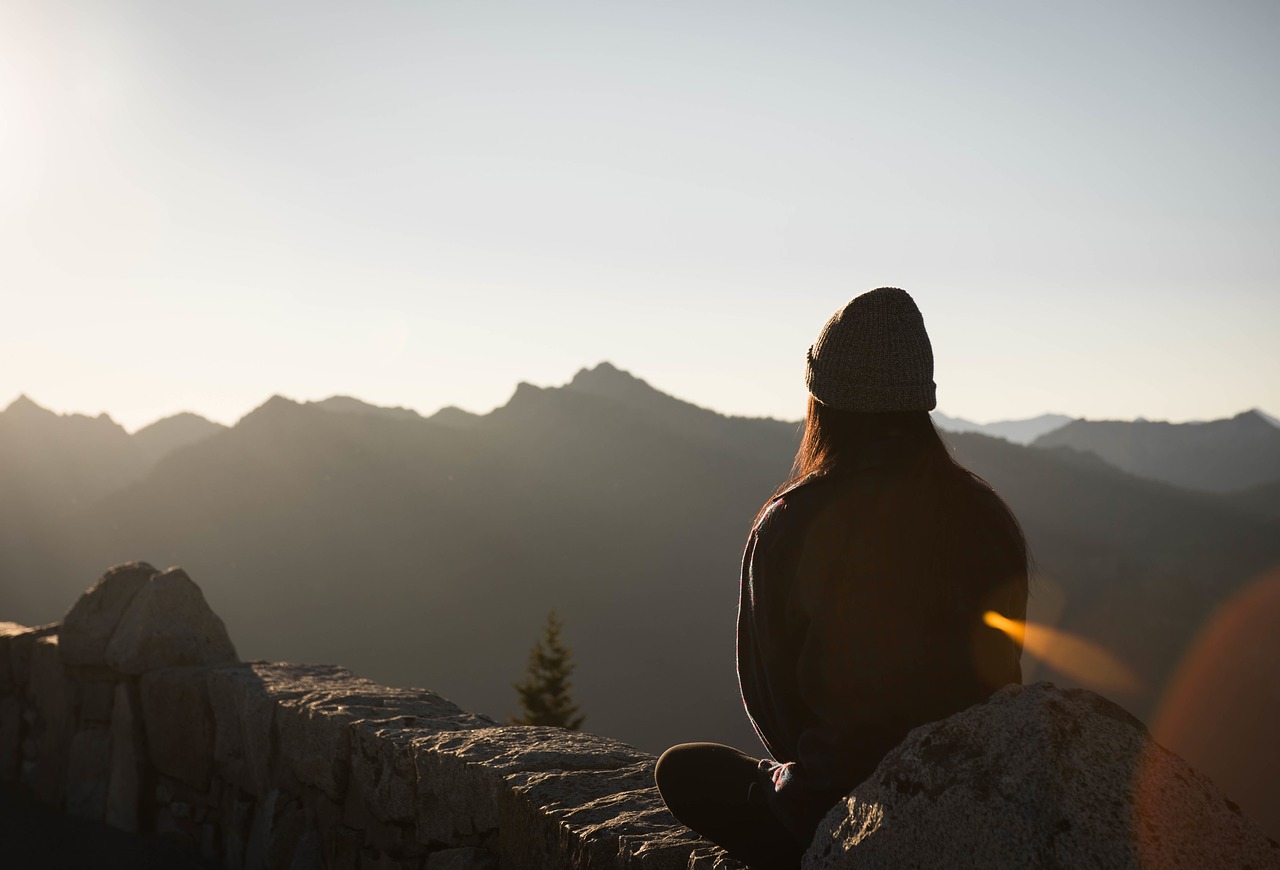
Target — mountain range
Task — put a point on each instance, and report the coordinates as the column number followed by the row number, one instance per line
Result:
column 1217, row 456
column 427, row 550
column 1017, row 431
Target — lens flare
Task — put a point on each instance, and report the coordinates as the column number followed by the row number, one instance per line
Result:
column 1221, row 710
column 1071, row 656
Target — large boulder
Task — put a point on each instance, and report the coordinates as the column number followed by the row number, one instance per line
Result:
column 1037, row 777
column 168, row 624
column 92, row 620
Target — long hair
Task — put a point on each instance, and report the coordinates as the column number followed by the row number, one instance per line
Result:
column 833, row 437
column 930, row 488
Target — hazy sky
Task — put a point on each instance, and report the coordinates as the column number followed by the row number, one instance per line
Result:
column 421, row 204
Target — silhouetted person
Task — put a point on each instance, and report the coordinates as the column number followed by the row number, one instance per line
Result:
column 864, row 584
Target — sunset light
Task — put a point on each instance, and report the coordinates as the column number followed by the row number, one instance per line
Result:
column 1069, row 654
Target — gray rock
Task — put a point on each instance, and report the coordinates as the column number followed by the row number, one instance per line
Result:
column 461, row 774
column 712, row 857
column 244, row 700
column 307, row 854
column 168, row 624
column 179, row 723
column 264, row 817
column 88, row 774
column 95, row 701
column 50, row 687
column 8, row 631
column 124, row 790
column 16, row 643
column 1037, row 777
column 292, row 824
column 53, row 725
column 11, row 727
column 237, row 821
column 335, row 710
column 92, row 620
column 382, row 734
column 593, row 818
column 464, row 858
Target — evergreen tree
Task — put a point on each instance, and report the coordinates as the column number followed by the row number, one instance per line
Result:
column 544, row 692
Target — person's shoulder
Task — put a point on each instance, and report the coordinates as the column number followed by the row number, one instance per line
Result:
column 989, row 517
column 984, row 500
column 795, row 504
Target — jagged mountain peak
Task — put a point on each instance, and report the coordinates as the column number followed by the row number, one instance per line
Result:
column 24, row 411
column 1267, row 417
column 275, row 406
column 1253, row 417
column 24, row 406
column 606, row 379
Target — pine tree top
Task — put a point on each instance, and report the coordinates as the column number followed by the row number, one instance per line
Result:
column 544, row 693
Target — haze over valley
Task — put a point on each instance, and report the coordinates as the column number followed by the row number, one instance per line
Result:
column 426, row 551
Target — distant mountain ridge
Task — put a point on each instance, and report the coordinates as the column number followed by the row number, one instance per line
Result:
column 1215, row 456
column 1274, row 421
column 348, row 405
column 1017, row 431
column 604, row 497
column 427, row 550
column 171, row 433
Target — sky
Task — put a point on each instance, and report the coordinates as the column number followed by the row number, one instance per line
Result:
column 422, row 204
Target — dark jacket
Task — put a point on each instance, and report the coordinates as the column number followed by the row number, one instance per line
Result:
column 845, row 644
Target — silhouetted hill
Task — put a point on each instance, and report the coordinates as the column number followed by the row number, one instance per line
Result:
column 748, row 435
column 423, row 553
column 1218, row 456
column 51, row 466
column 454, row 417
column 167, row 435
column 56, row 461
column 1261, row 501
column 348, row 405
column 1140, row 564
column 1017, row 431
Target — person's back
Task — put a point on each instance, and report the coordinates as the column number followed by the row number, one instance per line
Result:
column 864, row 585
column 862, row 612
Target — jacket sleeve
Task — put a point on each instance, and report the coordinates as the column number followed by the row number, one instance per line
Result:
column 841, row 667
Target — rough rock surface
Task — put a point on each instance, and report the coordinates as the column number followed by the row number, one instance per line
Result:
column 154, row 727
column 8, row 631
column 1037, row 777
column 168, row 624
column 461, row 774
column 92, row 620
column 179, row 723
column 592, row 818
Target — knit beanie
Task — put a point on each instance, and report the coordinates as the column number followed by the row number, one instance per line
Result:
column 874, row 355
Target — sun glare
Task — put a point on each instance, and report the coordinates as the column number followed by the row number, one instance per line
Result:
column 1070, row 655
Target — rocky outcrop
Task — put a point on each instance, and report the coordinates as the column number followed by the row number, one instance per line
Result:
column 136, row 619
column 92, row 620
column 134, row 712
column 1037, row 777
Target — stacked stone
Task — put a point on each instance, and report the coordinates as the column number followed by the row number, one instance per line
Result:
column 136, row 711
column 71, row 727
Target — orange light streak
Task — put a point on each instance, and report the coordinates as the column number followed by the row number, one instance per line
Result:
column 1068, row 654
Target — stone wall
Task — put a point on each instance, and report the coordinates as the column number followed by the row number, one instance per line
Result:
column 135, row 711
column 263, row 765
